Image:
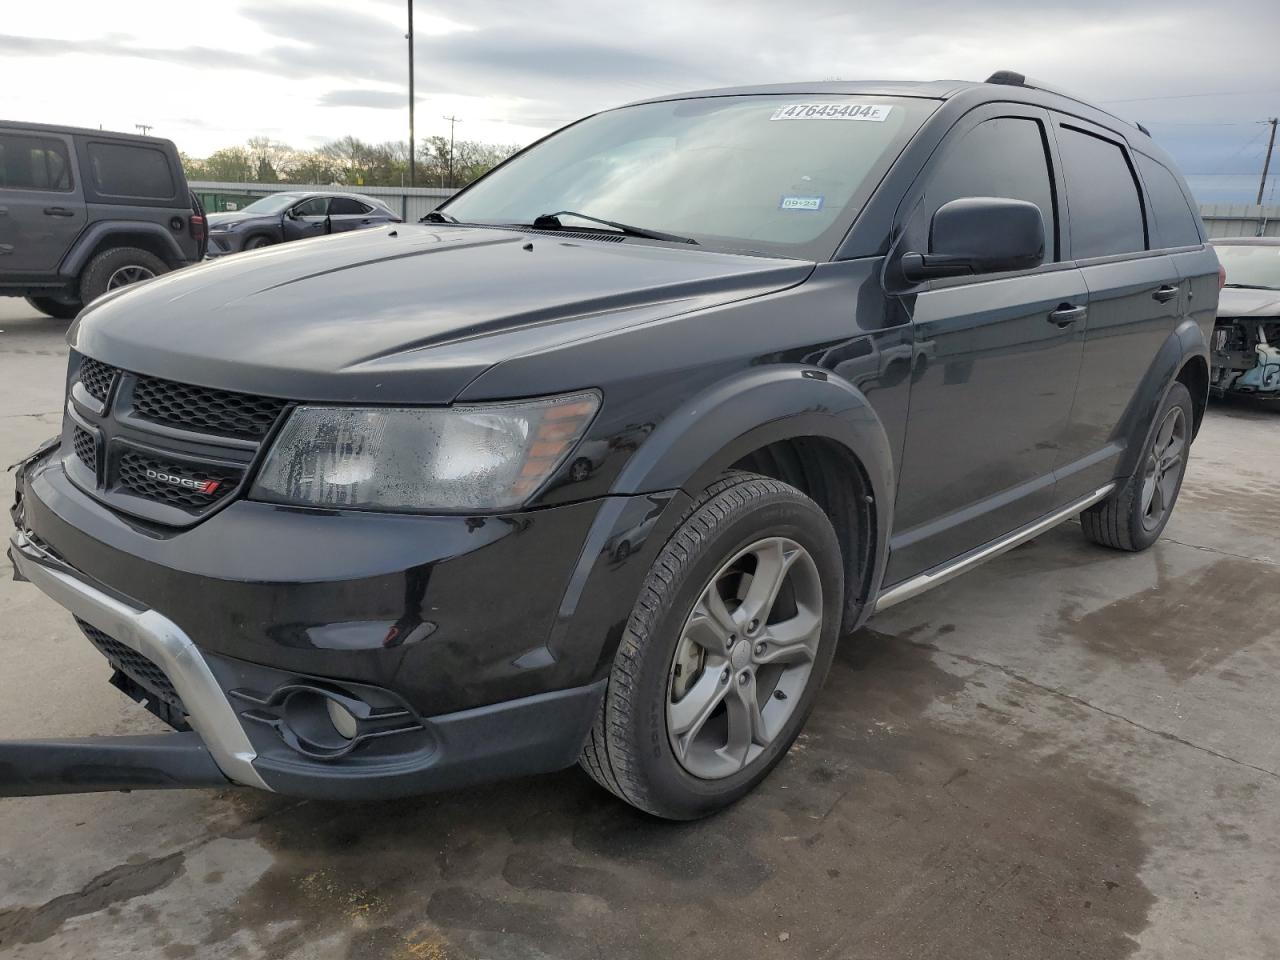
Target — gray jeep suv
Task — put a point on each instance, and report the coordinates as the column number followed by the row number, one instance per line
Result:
column 86, row 211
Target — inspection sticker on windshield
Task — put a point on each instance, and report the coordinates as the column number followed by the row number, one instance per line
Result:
column 833, row 111
column 800, row 203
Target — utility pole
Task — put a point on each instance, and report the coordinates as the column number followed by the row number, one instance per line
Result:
column 145, row 128
column 1266, row 164
column 452, row 121
column 409, row 37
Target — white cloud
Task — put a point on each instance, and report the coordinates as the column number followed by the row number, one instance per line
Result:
column 210, row 75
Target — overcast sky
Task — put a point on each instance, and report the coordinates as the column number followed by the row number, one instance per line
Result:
column 1200, row 74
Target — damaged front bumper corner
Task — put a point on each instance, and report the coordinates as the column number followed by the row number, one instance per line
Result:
column 217, row 751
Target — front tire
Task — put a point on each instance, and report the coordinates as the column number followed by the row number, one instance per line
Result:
column 118, row 267
column 258, row 242
column 724, row 653
column 58, row 309
column 1133, row 517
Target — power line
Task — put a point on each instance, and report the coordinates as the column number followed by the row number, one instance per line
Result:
column 1190, row 96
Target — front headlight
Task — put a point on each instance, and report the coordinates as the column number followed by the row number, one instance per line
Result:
column 485, row 457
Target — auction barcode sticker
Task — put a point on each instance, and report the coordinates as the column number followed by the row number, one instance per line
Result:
column 833, row 111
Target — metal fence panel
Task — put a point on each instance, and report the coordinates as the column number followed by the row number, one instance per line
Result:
column 1221, row 219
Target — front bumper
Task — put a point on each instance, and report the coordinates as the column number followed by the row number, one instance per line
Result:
column 221, row 244
column 488, row 638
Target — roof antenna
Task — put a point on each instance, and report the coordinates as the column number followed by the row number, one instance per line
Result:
column 1008, row 78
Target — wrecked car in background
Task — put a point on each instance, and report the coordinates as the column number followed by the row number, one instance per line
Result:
column 1246, row 339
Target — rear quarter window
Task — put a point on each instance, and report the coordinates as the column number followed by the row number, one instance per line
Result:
column 33, row 163
column 1175, row 223
column 129, row 171
column 1103, row 201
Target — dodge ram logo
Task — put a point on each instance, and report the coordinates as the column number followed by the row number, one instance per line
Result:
column 200, row 486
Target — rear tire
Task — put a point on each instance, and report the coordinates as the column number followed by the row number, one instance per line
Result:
column 775, row 664
column 1134, row 516
column 58, row 309
column 117, row 267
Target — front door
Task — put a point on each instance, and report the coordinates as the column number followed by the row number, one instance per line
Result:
column 996, row 358
column 41, row 205
column 310, row 218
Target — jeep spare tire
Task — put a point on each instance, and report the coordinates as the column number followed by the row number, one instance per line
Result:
column 118, row 267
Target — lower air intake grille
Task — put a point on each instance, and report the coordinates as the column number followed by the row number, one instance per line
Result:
column 134, row 665
column 86, row 448
column 96, row 377
column 186, row 487
column 204, row 409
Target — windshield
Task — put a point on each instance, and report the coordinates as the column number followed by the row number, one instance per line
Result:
column 1251, row 265
column 275, row 203
column 782, row 175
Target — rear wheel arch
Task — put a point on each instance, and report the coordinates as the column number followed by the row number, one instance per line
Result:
column 1194, row 375
column 105, row 235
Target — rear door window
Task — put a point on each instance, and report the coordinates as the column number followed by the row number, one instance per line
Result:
column 1175, row 223
column 1103, row 199
column 130, row 171
column 345, row 206
column 33, row 163
column 1003, row 157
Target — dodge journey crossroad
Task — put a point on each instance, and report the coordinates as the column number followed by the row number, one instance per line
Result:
column 600, row 461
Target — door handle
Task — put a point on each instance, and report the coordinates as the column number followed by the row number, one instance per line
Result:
column 1165, row 294
column 58, row 212
column 1067, row 314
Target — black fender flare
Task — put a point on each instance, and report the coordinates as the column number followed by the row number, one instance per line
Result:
column 1184, row 343
column 732, row 418
column 88, row 241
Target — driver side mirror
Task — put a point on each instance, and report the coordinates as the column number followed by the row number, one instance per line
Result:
column 292, row 213
column 979, row 235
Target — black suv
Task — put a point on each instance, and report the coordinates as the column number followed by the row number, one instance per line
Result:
column 86, row 211
column 601, row 462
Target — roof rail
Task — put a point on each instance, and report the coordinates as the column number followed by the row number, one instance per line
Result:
column 1011, row 78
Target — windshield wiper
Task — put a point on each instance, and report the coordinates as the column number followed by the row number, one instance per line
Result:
column 438, row 216
column 1249, row 286
column 551, row 221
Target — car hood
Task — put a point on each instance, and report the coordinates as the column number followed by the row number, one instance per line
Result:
column 411, row 314
column 1238, row 302
column 235, row 217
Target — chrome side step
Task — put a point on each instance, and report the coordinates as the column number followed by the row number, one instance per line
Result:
column 941, row 574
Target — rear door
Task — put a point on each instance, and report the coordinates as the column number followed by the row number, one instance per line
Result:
column 347, row 213
column 1135, row 299
column 42, row 209
column 996, row 356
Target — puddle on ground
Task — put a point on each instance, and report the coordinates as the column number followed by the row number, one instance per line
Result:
column 1188, row 623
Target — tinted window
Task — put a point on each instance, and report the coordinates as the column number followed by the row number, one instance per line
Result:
column 345, row 205
column 33, row 163
column 1102, row 196
column 125, row 170
column 1006, row 158
column 1175, row 223
column 315, row 207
